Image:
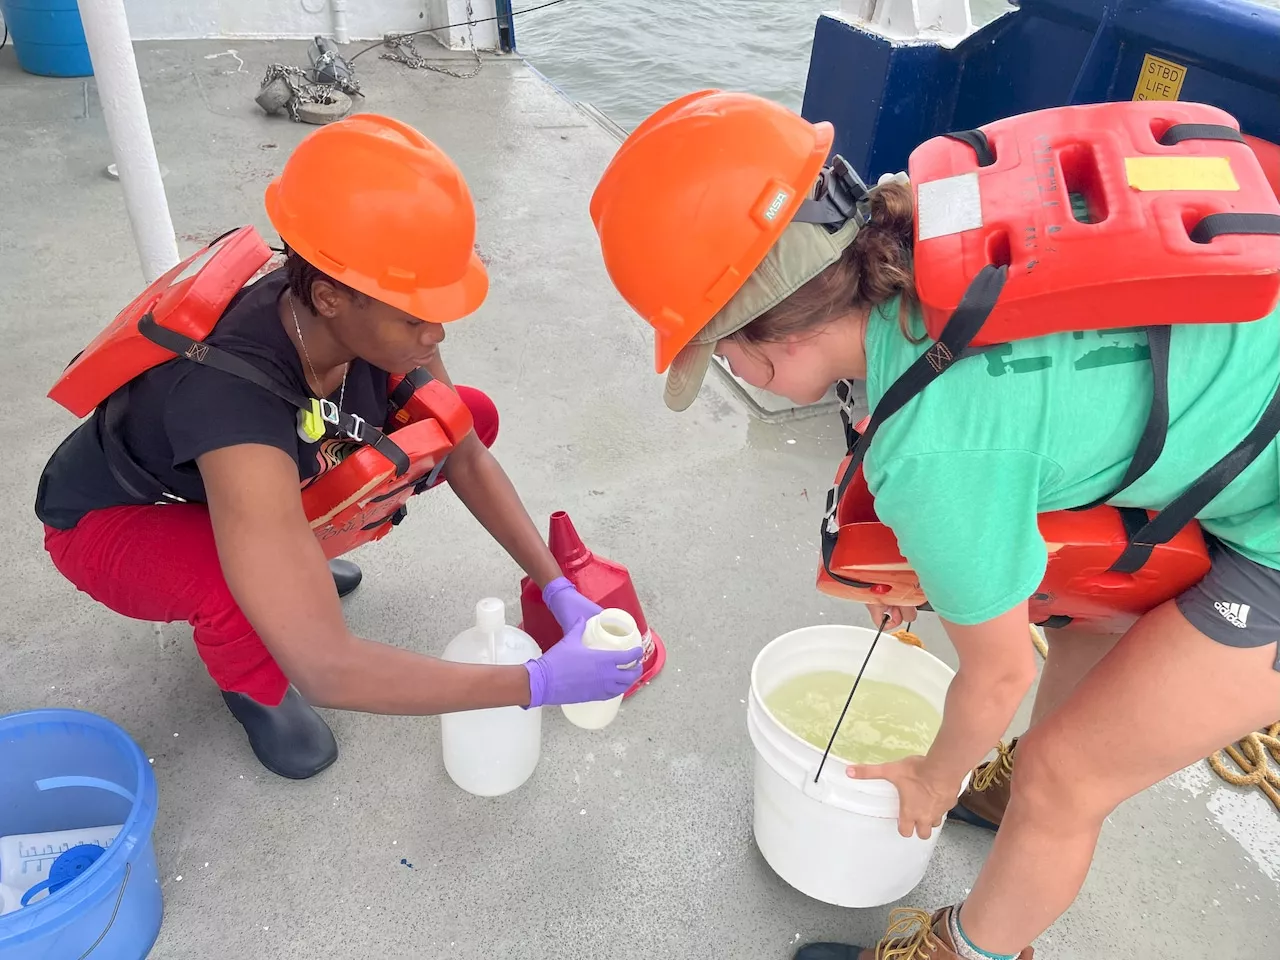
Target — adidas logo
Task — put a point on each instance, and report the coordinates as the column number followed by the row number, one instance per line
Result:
column 1234, row 613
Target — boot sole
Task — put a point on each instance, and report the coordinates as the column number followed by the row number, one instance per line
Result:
column 963, row 815
column 295, row 776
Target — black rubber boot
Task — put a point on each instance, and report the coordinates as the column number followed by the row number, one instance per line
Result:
column 346, row 576
column 290, row 740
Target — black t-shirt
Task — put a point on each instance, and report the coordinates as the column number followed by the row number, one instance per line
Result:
column 180, row 410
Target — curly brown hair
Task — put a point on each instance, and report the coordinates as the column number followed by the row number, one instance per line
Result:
column 872, row 269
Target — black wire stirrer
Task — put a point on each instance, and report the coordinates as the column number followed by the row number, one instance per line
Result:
column 884, row 622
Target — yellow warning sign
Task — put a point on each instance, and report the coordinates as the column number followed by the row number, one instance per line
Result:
column 1159, row 79
column 1180, row 173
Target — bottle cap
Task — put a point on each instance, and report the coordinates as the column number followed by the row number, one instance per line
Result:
column 491, row 614
column 69, row 865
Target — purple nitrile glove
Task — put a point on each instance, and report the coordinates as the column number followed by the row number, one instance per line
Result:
column 572, row 672
column 566, row 604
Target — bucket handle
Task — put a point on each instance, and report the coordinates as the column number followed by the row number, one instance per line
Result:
column 56, row 783
column 128, row 868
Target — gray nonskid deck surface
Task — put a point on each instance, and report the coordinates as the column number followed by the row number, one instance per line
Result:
column 633, row 842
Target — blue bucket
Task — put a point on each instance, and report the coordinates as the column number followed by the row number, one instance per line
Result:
column 67, row 770
column 48, row 37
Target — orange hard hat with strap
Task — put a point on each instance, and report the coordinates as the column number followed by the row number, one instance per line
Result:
column 693, row 201
column 376, row 205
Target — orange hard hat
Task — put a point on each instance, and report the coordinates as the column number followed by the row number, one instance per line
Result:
column 376, row 205
column 693, row 201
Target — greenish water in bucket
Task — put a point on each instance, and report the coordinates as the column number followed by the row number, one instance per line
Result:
column 885, row 722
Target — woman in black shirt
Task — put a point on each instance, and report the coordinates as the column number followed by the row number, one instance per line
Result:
column 380, row 230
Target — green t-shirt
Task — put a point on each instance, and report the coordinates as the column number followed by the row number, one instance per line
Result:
column 960, row 473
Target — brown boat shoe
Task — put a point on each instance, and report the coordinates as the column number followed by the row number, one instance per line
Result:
column 912, row 935
column 984, row 801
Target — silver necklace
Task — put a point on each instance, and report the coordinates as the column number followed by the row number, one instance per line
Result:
column 342, row 393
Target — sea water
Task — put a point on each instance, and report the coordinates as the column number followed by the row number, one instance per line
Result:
column 628, row 59
column 885, row 722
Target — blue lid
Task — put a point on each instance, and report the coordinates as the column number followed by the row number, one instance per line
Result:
column 66, row 868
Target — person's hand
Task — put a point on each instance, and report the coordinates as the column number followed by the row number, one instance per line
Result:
column 898, row 616
column 572, row 672
column 923, row 797
column 566, row 604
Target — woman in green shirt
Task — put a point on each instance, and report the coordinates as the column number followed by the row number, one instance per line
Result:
column 960, row 474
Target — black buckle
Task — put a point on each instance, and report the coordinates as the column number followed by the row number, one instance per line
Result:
column 840, row 196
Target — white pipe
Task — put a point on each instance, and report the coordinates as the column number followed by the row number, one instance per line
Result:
column 340, row 34
column 116, row 71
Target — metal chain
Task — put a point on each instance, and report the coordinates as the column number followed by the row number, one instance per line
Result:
column 405, row 51
column 303, row 90
column 349, row 85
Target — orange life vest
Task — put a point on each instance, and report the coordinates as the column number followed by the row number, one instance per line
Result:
column 356, row 501
column 1078, row 584
column 1185, row 227
column 1269, row 156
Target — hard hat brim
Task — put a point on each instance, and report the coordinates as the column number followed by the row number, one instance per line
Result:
column 444, row 304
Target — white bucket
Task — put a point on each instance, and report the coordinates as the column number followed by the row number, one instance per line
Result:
column 835, row 840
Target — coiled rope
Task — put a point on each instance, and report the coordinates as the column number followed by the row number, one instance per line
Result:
column 1253, row 755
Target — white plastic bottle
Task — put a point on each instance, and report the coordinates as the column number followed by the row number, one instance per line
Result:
column 25, row 858
column 611, row 629
column 491, row 752
column 10, row 899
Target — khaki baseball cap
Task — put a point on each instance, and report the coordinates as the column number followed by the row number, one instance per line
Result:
column 802, row 252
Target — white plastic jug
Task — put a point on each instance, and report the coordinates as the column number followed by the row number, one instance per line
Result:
column 611, row 629
column 25, row 858
column 491, row 752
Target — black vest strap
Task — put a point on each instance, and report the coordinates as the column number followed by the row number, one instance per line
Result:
column 1243, row 224
column 356, row 428
column 979, row 142
column 1133, row 520
column 1055, row 622
column 952, row 345
column 132, row 478
column 1151, row 443
column 1199, row 131
column 413, row 381
column 1165, row 525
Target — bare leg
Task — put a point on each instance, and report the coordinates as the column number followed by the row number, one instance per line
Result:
column 1165, row 697
column 1073, row 652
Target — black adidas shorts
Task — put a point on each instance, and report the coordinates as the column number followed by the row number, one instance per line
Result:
column 1237, row 602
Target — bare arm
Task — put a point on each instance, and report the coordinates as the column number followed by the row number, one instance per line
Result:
column 278, row 575
column 997, row 667
column 483, row 486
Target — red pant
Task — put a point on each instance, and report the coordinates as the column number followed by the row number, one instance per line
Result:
column 160, row 563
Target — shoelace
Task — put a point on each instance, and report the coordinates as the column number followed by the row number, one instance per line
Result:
column 997, row 771
column 909, row 936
